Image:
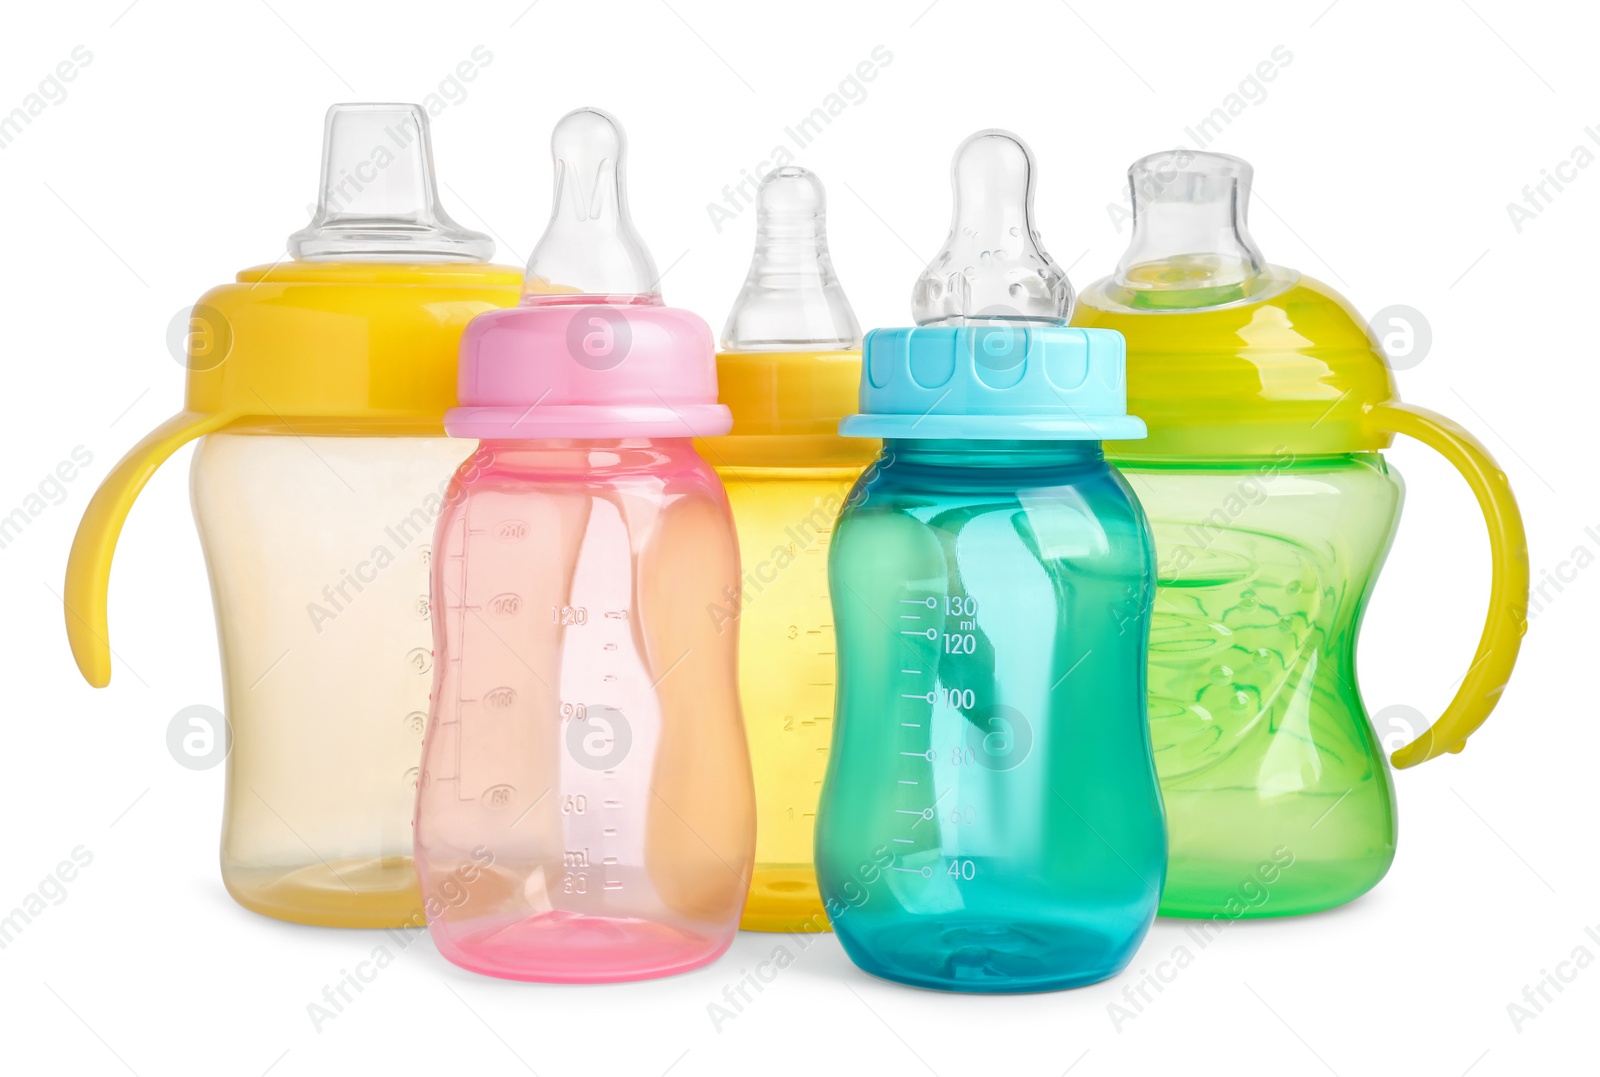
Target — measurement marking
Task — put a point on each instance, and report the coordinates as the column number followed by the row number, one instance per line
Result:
column 613, row 803
column 913, row 602
column 609, row 860
column 912, row 871
column 609, row 647
column 905, row 841
column 913, row 671
column 610, row 832
column 911, row 617
column 912, row 725
column 903, row 811
column 905, row 781
column 929, row 813
column 913, row 695
column 613, row 886
column 617, row 615
column 916, row 755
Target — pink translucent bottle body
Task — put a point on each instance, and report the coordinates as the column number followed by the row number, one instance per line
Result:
column 585, row 808
column 585, row 811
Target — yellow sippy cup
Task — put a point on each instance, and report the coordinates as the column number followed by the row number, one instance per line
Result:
column 318, row 386
column 789, row 369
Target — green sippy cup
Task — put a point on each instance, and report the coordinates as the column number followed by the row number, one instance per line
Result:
column 1268, row 401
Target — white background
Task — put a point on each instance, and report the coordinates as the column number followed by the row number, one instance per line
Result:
column 1386, row 152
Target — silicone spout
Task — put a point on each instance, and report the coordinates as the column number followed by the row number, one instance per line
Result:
column 590, row 251
column 791, row 299
column 1191, row 247
column 993, row 267
column 379, row 201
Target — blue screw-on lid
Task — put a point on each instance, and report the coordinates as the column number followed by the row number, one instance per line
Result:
column 994, row 381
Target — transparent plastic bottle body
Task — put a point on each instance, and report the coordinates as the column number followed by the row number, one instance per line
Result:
column 318, row 550
column 990, row 819
column 585, row 811
column 1278, row 798
column 785, row 518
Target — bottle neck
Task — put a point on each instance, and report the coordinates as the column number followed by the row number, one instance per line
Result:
column 975, row 453
column 585, row 456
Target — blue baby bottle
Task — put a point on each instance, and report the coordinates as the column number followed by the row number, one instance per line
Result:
column 990, row 819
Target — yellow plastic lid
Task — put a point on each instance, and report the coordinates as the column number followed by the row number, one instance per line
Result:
column 786, row 410
column 368, row 345
column 1293, row 369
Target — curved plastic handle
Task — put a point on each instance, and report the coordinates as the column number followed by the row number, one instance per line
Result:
column 89, row 564
column 1508, row 588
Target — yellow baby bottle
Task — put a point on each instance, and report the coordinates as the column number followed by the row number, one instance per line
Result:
column 789, row 369
column 318, row 386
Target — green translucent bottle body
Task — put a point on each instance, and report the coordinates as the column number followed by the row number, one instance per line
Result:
column 990, row 820
column 1278, row 798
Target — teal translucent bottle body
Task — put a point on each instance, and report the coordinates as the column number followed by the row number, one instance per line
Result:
column 990, row 819
column 1278, row 800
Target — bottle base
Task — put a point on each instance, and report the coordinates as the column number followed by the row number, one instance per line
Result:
column 784, row 897
column 570, row 948
column 1236, row 891
column 990, row 956
column 375, row 891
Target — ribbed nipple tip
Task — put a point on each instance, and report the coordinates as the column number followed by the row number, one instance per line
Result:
column 587, row 133
column 992, row 267
column 590, row 247
column 791, row 299
column 790, row 191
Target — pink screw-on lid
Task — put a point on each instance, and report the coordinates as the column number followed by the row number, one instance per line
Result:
column 591, row 352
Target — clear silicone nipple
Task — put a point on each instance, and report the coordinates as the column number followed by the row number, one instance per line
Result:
column 1191, row 247
column 791, row 299
column 590, row 249
column 993, row 267
column 378, row 200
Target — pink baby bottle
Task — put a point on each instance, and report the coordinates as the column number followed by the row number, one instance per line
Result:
column 585, row 811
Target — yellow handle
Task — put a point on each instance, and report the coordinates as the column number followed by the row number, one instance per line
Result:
column 89, row 564
column 1508, row 588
